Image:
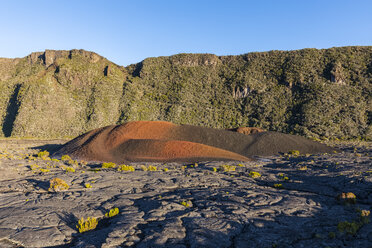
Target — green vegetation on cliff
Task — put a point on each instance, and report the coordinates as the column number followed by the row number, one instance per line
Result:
column 316, row 93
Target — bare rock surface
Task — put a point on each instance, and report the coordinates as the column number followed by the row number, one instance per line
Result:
column 275, row 201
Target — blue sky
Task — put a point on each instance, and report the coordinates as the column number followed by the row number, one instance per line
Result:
column 127, row 32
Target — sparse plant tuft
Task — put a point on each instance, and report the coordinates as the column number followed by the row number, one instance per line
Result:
column 124, row 167
column 69, row 169
column 278, row 185
column 331, row 235
column 112, row 212
column 150, row 168
column 186, row 204
column 108, row 165
column 57, row 185
column 86, row 225
column 348, row 198
column 43, row 155
column 227, row 168
column 65, row 158
column 254, row 174
column 294, row 152
column 353, row 227
column 349, row 227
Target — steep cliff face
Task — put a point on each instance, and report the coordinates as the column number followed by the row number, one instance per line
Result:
column 317, row 93
column 60, row 93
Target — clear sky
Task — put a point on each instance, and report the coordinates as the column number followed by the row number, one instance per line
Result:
column 127, row 32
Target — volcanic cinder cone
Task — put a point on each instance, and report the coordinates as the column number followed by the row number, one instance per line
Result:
column 164, row 142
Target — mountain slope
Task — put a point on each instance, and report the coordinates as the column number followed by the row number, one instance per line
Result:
column 316, row 93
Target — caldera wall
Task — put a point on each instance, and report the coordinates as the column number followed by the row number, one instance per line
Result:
column 315, row 93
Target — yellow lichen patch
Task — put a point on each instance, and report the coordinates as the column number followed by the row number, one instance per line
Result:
column 186, row 204
column 85, row 225
column 165, row 169
column 112, row 212
column 44, row 170
column 283, row 177
column 124, row 167
column 214, row 169
column 365, row 213
column 254, row 174
column 73, row 162
column 87, row 185
column 34, row 166
column 194, row 165
column 108, row 165
column 150, row 168
column 31, row 158
column 57, row 184
column 69, row 169
column 43, row 155
column 83, row 163
column 65, row 158
column 227, row 168
column 278, row 185
column 294, row 153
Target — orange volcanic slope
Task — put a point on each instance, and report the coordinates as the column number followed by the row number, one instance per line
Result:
column 143, row 141
column 164, row 141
